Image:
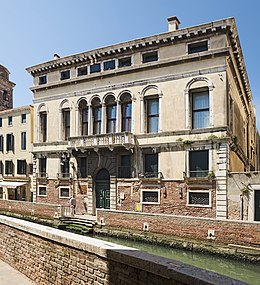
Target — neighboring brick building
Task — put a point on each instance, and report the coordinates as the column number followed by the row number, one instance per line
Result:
column 6, row 89
column 154, row 124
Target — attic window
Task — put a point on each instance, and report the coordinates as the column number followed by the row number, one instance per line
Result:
column 197, row 47
column 126, row 61
column 111, row 64
column 150, row 56
column 95, row 68
column 42, row 79
column 65, row 74
column 82, row 71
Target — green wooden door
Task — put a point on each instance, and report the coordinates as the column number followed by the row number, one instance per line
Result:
column 102, row 194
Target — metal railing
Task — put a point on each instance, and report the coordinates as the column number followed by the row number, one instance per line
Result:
column 151, row 175
column 42, row 175
column 64, row 175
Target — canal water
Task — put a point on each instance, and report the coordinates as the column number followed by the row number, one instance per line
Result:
column 243, row 271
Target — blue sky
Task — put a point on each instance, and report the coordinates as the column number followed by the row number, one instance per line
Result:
column 32, row 30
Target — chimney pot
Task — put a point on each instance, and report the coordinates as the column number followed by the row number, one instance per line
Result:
column 173, row 23
column 56, row 56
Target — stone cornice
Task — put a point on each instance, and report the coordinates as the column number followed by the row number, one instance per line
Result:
column 157, row 64
column 130, row 46
column 227, row 26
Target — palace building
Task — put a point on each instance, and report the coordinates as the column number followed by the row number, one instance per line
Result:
column 153, row 125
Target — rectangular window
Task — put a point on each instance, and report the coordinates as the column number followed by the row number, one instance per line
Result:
column 43, row 126
column 199, row 198
column 200, row 110
column 42, row 167
column 82, row 71
column 23, row 140
column 82, row 168
column 151, row 165
column 150, row 56
column 95, row 68
column 150, row 196
column 1, row 167
column 1, row 143
column 231, row 114
column 9, row 142
column 126, row 110
column 65, row 74
column 23, row 118
column 65, row 168
column 126, row 61
column 42, row 191
column 124, row 170
column 64, row 192
column 111, row 119
column 199, row 163
column 152, row 110
column 111, row 64
column 30, row 168
column 84, row 122
column 66, row 123
column 10, row 120
column 197, row 47
column 42, row 79
column 8, row 167
column 21, row 166
column 1, row 122
column 97, row 120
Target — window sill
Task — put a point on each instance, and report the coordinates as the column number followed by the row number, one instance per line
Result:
column 199, row 206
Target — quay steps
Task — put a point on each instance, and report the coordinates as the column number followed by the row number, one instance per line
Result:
column 78, row 224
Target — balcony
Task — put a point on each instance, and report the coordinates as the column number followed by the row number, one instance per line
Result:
column 64, row 176
column 42, row 175
column 110, row 140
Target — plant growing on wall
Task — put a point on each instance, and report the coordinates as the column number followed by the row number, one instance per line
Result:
column 246, row 191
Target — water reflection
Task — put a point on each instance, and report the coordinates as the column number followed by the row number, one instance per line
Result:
column 243, row 271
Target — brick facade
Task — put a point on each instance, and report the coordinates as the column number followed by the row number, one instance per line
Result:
column 6, row 89
column 225, row 232
column 39, row 210
column 50, row 256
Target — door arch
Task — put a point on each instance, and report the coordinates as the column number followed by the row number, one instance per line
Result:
column 102, row 189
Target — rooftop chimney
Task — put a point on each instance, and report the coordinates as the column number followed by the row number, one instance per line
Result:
column 173, row 23
column 56, row 56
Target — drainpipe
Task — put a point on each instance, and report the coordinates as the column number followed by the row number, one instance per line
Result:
column 242, row 208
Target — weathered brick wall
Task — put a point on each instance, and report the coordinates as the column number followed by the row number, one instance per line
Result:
column 30, row 209
column 53, row 195
column 226, row 232
column 170, row 200
column 50, row 256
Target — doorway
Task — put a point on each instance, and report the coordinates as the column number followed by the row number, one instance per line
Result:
column 257, row 205
column 102, row 189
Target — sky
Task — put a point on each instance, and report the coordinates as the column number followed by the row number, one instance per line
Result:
column 32, row 31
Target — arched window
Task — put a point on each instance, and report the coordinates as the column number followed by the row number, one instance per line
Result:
column 151, row 100
column 83, row 118
column 65, row 119
column 198, row 93
column 110, row 114
column 42, row 115
column 97, row 115
column 152, row 114
column 126, row 112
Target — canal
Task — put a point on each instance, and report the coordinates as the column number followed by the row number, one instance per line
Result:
column 243, row 271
